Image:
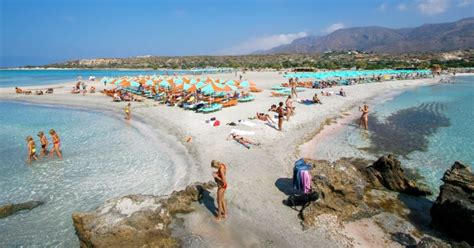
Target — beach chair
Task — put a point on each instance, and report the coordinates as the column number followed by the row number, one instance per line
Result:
column 230, row 103
column 247, row 99
column 212, row 108
column 255, row 89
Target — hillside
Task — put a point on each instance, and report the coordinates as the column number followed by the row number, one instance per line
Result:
column 426, row 38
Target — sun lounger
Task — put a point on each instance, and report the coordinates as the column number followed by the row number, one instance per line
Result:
column 285, row 84
column 255, row 89
column 214, row 107
column 247, row 99
column 230, row 103
column 280, row 93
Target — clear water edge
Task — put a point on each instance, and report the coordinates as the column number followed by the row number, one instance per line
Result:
column 77, row 183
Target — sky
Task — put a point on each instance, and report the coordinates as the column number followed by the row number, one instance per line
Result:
column 38, row 32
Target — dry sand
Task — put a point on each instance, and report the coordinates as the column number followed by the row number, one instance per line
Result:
column 257, row 177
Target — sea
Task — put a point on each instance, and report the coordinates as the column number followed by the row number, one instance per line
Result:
column 27, row 77
column 104, row 158
column 427, row 128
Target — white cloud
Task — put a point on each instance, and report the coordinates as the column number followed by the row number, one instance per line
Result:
column 433, row 7
column 463, row 3
column 402, row 7
column 263, row 43
column 382, row 7
column 333, row 27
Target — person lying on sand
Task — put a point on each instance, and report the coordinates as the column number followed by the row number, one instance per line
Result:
column 31, row 149
column 265, row 117
column 221, row 180
column 243, row 141
column 18, row 90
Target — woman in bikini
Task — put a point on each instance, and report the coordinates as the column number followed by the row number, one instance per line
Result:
column 243, row 141
column 44, row 144
column 364, row 119
column 56, row 144
column 128, row 112
column 31, row 149
column 264, row 117
column 221, row 180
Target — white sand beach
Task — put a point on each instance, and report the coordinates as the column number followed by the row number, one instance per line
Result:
column 257, row 217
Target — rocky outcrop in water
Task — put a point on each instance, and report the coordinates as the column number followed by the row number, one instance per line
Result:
column 136, row 220
column 387, row 172
column 10, row 209
column 453, row 210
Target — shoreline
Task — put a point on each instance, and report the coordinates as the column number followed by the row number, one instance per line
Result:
column 258, row 168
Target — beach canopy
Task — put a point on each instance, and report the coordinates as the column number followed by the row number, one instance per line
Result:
column 210, row 89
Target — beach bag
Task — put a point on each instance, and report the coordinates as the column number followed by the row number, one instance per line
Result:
column 302, row 200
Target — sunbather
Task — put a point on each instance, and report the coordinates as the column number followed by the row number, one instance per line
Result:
column 265, row 117
column 243, row 141
column 18, row 90
column 316, row 99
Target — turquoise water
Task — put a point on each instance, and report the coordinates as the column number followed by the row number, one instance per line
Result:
column 428, row 128
column 13, row 78
column 104, row 157
column 352, row 73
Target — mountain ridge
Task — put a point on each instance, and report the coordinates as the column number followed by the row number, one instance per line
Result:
column 436, row 37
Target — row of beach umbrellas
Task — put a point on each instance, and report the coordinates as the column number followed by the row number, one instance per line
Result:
column 207, row 86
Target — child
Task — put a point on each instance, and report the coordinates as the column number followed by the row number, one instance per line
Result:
column 31, row 149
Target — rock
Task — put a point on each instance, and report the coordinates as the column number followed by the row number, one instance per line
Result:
column 9, row 209
column 453, row 210
column 387, row 172
column 136, row 220
column 340, row 187
column 403, row 238
column 429, row 242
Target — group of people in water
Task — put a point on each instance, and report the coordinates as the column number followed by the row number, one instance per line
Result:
column 44, row 146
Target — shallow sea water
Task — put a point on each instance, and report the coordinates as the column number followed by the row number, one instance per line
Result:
column 104, row 158
column 428, row 128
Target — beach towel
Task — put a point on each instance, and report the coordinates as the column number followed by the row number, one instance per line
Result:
column 247, row 123
column 241, row 132
column 306, row 178
column 307, row 102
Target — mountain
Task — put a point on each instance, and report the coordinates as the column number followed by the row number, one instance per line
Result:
column 426, row 38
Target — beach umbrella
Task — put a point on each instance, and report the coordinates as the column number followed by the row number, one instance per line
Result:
column 229, row 88
column 165, row 84
column 193, row 88
column 209, row 80
column 135, row 84
column 142, row 81
column 230, row 82
column 125, row 83
column 244, row 84
column 149, row 82
column 178, row 81
column 210, row 89
column 186, row 80
column 200, row 84
column 186, row 87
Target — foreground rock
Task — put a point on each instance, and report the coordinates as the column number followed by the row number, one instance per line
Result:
column 387, row 172
column 340, row 187
column 136, row 220
column 453, row 210
column 10, row 209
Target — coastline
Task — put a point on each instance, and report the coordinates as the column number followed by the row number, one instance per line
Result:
column 254, row 199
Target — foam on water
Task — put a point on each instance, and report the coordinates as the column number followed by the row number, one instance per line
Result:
column 428, row 128
column 104, row 157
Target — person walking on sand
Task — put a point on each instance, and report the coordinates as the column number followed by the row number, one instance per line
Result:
column 289, row 107
column 293, row 88
column 221, row 180
column 128, row 111
column 31, row 149
column 56, row 144
column 364, row 119
column 44, row 144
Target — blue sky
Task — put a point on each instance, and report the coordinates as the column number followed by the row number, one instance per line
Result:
column 35, row 32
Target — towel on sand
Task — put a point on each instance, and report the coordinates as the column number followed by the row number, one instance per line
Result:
column 241, row 132
column 247, row 123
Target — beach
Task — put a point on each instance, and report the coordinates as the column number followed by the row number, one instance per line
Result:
column 255, row 191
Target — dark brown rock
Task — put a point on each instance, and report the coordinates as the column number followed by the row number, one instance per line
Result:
column 10, row 209
column 453, row 210
column 136, row 220
column 387, row 172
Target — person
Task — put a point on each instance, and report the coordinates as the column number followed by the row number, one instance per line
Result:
column 243, row 141
column 293, row 88
column 128, row 111
column 56, row 144
column 221, row 180
column 316, row 99
column 31, row 149
column 289, row 107
column 265, row 117
column 281, row 113
column 84, row 89
column 342, row 92
column 364, row 119
column 44, row 144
